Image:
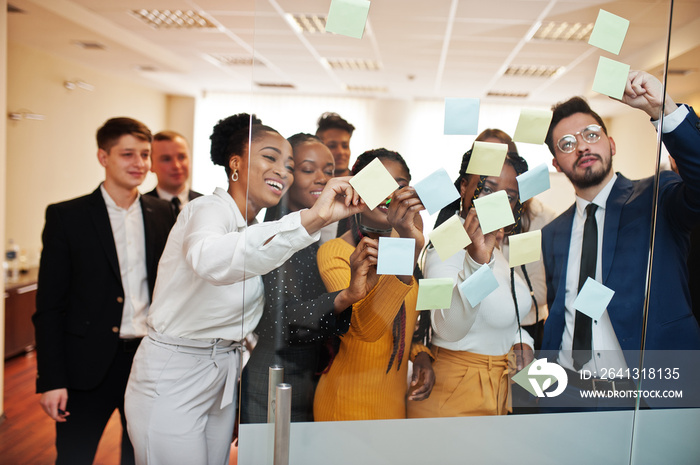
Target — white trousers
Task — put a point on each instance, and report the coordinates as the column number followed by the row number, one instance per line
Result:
column 180, row 400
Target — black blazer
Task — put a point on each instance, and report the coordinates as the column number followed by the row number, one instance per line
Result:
column 80, row 296
column 192, row 195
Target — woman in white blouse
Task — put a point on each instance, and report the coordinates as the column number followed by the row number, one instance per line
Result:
column 471, row 343
column 181, row 395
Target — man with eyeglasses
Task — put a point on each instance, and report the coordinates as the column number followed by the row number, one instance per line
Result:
column 605, row 236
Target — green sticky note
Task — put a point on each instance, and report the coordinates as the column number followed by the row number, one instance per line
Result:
column 593, row 299
column 449, row 238
column 524, row 248
column 348, row 17
column 494, row 211
column 374, row 183
column 609, row 32
column 532, row 125
column 611, row 78
column 479, row 285
column 487, row 158
column 435, row 293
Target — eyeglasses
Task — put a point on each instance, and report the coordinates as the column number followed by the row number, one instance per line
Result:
column 591, row 134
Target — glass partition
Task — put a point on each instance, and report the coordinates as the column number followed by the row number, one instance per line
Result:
column 355, row 365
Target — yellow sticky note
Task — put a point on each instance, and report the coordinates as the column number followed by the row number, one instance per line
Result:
column 524, row 248
column 532, row 125
column 449, row 238
column 435, row 293
column 374, row 183
column 494, row 211
column 487, row 158
column 609, row 32
column 611, row 78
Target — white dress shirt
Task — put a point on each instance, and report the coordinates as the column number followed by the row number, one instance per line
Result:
column 184, row 196
column 209, row 284
column 130, row 241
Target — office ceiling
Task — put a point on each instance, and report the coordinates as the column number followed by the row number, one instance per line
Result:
column 420, row 49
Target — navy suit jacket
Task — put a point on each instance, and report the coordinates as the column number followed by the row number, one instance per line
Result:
column 80, row 297
column 192, row 194
column 625, row 254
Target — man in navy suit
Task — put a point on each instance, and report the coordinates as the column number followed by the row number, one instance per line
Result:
column 170, row 161
column 96, row 277
column 621, row 224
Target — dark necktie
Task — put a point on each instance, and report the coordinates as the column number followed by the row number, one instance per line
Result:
column 589, row 254
column 176, row 202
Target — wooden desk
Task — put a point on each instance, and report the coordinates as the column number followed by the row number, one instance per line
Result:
column 20, row 305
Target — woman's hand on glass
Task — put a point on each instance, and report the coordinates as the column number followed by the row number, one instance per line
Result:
column 338, row 200
column 363, row 273
column 482, row 244
column 404, row 215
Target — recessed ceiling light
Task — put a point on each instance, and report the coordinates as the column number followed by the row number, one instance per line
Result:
column 367, row 89
column 172, row 19
column 275, row 85
column 233, row 60
column 89, row 45
column 507, row 94
column 352, row 64
column 575, row 32
column 313, row 24
column 532, row 71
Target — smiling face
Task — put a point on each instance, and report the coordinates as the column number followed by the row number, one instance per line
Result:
column 267, row 175
column 171, row 164
column 313, row 167
column 377, row 218
column 126, row 163
column 590, row 164
column 338, row 141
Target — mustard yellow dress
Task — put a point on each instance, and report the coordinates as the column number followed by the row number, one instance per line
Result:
column 358, row 386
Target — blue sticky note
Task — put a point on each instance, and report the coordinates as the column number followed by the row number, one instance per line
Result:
column 479, row 285
column 461, row 116
column 533, row 182
column 434, row 293
column 436, row 191
column 396, row 256
column 593, row 299
column 347, row 17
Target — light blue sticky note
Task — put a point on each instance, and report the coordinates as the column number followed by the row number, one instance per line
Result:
column 533, row 125
column 396, row 256
column 609, row 32
column 461, row 116
column 494, row 211
column 479, row 285
column 436, row 191
column 434, row 293
column 348, row 17
column 611, row 78
column 593, row 299
column 533, row 181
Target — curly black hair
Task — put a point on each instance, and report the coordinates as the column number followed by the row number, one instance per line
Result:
column 383, row 154
column 330, row 120
column 230, row 137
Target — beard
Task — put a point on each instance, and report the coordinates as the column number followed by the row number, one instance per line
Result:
column 589, row 177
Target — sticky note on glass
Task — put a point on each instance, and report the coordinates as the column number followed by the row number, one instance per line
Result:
column 609, row 32
column 461, row 116
column 487, row 158
column 533, row 181
column 593, row 299
column 524, row 248
column 436, row 191
column 396, row 256
column 434, row 293
column 449, row 238
column 611, row 78
column 479, row 285
column 348, row 17
column 494, row 211
column 532, row 125
column 374, row 183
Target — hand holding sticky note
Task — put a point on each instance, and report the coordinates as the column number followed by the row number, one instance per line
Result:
column 494, row 211
column 533, row 181
column 611, row 78
column 461, row 116
column 593, row 299
column 479, row 285
column 487, row 158
column 374, row 183
column 436, row 191
column 524, row 248
column 347, row 17
column 435, row 293
column 532, row 125
column 396, row 256
column 449, row 238
column 609, row 32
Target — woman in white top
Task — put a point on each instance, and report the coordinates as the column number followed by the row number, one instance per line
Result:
column 471, row 343
column 181, row 396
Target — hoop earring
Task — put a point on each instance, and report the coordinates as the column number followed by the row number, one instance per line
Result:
column 234, row 176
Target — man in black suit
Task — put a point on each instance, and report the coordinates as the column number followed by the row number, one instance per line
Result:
column 96, row 277
column 170, row 161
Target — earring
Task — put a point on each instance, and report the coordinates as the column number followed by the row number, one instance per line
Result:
column 234, row 176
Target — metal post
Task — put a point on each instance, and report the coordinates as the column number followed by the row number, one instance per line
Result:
column 283, row 415
column 276, row 376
